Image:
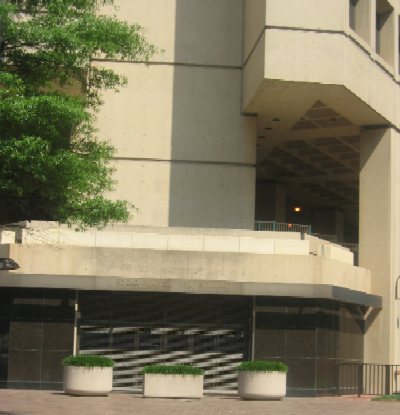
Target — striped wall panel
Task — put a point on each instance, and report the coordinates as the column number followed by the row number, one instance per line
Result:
column 138, row 329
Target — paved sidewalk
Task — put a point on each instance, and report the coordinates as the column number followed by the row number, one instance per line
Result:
column 22, row 402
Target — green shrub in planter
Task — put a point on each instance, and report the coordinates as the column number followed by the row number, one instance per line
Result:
column 87, row 375
column 262, row 366
column 87, row 360
column 262, row 379
column 173, row 370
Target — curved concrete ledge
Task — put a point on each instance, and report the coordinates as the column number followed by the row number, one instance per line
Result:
column 248, row 263
column 186, row 265
column 327, row 292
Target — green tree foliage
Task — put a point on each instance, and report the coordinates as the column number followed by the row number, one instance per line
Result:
column 53, row 165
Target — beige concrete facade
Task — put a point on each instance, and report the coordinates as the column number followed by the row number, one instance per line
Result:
column 281, row 92
column 308, row 48
column 344, row 54
column 249, row 109
column 182, row 145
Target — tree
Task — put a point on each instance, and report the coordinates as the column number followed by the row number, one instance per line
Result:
column 53, row 165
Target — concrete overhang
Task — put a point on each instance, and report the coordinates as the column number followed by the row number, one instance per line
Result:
column 217, row 287
column 302, row 271
column 288, row 70
column 299, row 267
column 187, row 260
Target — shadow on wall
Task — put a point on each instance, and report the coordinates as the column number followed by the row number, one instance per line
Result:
column 212, row 177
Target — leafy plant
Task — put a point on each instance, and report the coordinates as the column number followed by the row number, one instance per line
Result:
column 262, row 366
column 87, row 361
column 173, row 370
column 54, row 166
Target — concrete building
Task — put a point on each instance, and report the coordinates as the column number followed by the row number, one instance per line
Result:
column 268, row 111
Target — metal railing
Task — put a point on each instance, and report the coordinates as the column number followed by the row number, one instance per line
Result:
column 353, row 247
column 367, row 379
column 272, row 225
column 329, row 238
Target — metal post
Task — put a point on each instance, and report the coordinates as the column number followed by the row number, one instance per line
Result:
column 253, row 328
column 387, row 379
column 360, row 380
column 338, row 379
column 76, row 318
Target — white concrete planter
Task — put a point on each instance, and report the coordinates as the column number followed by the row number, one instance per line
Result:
column 261, row 385
column 172, row 386
column 80, row 380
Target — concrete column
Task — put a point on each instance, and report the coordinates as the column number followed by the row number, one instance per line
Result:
column 270, row 201
column 330, row 222
column 280, row 203
column 379, row 237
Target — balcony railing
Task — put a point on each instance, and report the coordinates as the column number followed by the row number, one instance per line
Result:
column 325, row 237
column 271, row 225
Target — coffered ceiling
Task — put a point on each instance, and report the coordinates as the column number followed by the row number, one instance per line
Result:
column 317, row 159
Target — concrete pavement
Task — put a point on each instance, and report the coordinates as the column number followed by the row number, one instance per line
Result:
column 28, row 402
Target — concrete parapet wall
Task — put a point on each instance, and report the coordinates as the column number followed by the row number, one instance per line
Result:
column 326, row 249
column 180, row 240
column 337, row 253
column 184, row 239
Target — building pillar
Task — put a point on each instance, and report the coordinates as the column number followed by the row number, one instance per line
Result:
column 330, row 222
column 270, row 201
column 379, row 238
